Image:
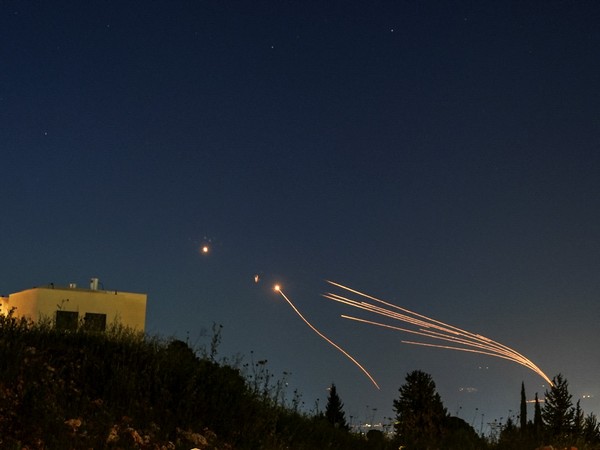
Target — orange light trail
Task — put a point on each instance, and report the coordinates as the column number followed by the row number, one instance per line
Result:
column 277, row 288
column 432, row 329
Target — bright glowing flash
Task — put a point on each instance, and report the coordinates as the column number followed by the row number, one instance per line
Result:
column 277, row 288
column 205, row 249
column 462, row 340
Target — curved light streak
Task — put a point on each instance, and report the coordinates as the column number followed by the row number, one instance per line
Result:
column 344, row 352
column 432, row 329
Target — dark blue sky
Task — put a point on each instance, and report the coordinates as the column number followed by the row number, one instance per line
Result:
column 442, row 155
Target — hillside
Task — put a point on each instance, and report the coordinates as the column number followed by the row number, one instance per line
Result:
column 121, row 390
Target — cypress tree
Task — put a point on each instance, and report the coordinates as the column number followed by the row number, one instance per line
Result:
column 523, row 415
column 538, row 424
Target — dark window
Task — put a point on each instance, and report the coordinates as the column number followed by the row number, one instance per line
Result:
column 94, row 322
column 67, row 320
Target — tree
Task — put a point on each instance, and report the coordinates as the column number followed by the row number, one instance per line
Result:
column 538, row 424
column 578, row 420
column 334, row 411
column 510, row 436
column 459, row 435
column 420, row 414
column 558, row 409
column 591, row 429
column 523, row 415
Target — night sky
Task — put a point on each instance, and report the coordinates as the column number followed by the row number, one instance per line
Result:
column 443, row 156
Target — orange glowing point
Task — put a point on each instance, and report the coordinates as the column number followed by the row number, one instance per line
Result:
column 277, row 288
column 205, row 249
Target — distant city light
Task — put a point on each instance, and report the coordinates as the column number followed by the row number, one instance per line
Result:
column 469, row 390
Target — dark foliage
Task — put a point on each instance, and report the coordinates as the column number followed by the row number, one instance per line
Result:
column 538, row 423
column 459, row 435
column 422, row 421
column 523, row 411
column 334, row 411
column 559, row 424
column 419, row 412
column 80, row 390
column 558, row 412
column 122, row 390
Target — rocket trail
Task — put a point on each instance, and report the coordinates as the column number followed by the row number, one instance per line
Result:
column 476, row 347
column 344, row 352
column 431, row 328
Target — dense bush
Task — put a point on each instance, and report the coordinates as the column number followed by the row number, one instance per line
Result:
column 120, row 389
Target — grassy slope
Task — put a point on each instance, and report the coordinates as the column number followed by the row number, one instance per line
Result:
column 71, row 390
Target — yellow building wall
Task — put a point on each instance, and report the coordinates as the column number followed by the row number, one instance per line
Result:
column 126, row 308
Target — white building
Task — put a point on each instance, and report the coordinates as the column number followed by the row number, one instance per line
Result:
column 70, row 306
